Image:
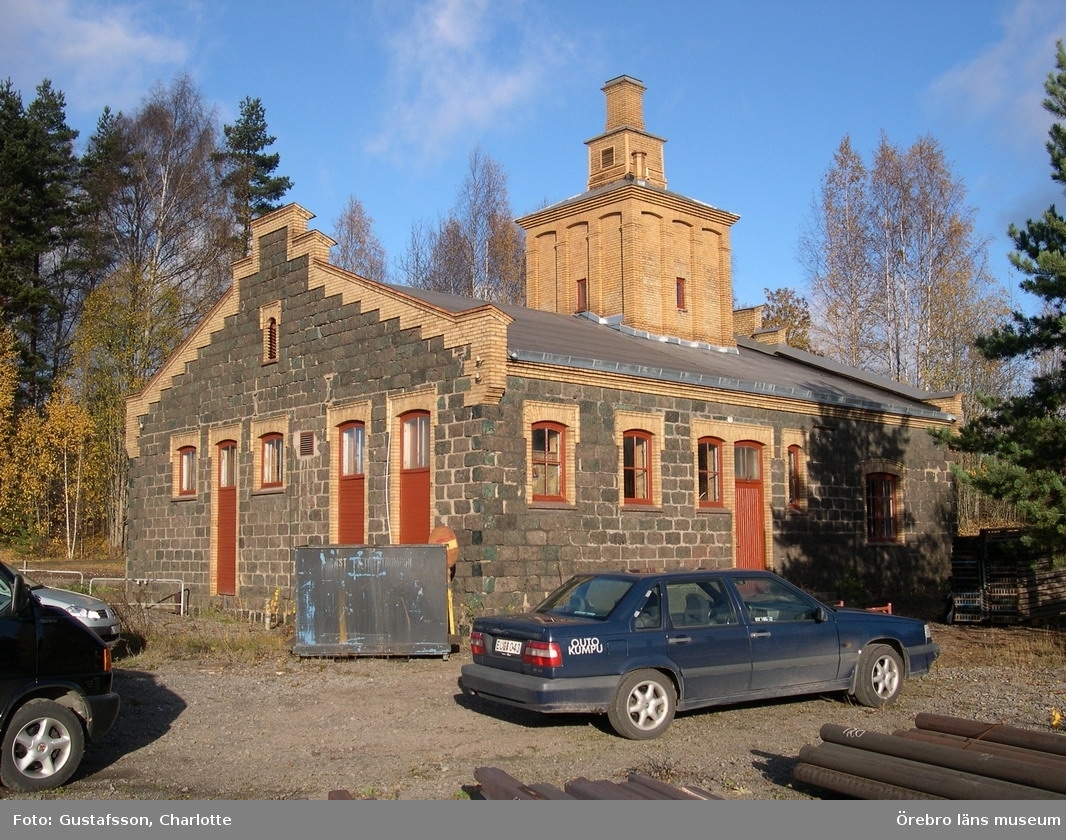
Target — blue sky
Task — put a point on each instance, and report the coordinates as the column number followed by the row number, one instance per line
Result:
column 384, row 99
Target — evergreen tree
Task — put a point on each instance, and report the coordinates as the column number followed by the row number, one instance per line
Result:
column 1023, row 438
column 247, row 169
column 38, row 179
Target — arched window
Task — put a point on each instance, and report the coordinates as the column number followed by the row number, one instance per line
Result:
column 636, row 467
column 272, row 460
column 187, row 471
column 549, row 462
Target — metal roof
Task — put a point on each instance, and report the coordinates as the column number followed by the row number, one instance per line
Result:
column 603, row 344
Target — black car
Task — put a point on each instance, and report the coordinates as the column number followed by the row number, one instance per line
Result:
column 642, row 646
column 55, row 689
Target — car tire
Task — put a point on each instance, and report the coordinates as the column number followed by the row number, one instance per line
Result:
column 643, row 705
column 880, row 676
column 43, row 746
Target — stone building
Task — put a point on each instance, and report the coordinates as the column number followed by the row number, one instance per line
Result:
column 626, row 417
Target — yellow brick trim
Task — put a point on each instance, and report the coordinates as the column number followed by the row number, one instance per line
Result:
column 276, row 424
column 565, row 414
column 626, row 420
column 179, row 441
column 215, row 436
column 357, row 411
column 188, row 350
column 424, row 399
column 483, row 328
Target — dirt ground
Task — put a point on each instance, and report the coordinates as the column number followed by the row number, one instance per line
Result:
column 293, row 728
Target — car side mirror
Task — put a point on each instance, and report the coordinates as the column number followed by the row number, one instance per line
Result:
column 20, row 595
column 820, row 615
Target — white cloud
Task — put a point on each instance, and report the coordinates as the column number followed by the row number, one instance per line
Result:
column 96, row 53
column 1005, row 82
column 459, row 66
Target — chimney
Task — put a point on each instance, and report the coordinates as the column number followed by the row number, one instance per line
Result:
column 625, row 103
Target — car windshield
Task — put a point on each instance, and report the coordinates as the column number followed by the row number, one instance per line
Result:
column 586, row 597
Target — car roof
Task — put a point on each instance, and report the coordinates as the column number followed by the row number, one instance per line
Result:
column 681, row 573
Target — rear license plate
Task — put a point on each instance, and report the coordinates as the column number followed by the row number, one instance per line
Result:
column 508, row 647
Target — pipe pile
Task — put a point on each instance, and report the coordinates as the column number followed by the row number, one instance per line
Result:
column 941, row 758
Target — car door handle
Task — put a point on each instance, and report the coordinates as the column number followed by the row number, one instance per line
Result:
column 761, row 634
column 678, row 640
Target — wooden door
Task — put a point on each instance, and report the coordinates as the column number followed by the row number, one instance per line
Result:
column 750, row 523
column 415, row 487
column 226, row 531
column 351, row 495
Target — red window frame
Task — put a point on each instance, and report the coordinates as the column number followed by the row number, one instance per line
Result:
column 272, row 472
column 582, row 295
column 545, row 461
column 680, row 286
column 187, row 471
column 637, row 467
column 353, row 450
column 709, row 476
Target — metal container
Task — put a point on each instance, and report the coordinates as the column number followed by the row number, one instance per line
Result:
column 358, row 600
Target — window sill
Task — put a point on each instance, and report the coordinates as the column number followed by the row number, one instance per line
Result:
column 549, row 504
column 268, row 491
column 185, row 497
column 639, row 507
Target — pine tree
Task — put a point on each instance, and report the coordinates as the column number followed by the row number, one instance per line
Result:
column 38, row 172
column 1023, row 438
column 247, row 169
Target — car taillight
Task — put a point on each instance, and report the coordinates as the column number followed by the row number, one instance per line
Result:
column 107, row 659
column 477, row 642
column 544, row 654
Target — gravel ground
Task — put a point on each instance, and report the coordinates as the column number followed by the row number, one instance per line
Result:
column 400, row 729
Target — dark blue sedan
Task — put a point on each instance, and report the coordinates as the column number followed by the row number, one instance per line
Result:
column 642, row 646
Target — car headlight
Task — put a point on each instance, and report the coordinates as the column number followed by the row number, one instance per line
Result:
column 79, row 612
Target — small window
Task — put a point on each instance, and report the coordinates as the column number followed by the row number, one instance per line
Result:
column 273, row 451
column 680, row 286
column 271, row 340
column 415, row 440
column 881, row 508
column 548, row 462
column 582, row 295
column 636, row 467
column 709, row 468
column 607, row 158
column 227, row 464
column 187, row 468
column 747, row 462
column 353, row 448
column 795, row 477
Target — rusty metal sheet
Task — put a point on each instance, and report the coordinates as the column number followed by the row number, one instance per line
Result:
column 371, row 600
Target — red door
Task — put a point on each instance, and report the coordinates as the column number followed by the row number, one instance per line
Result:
column 414, row 478
column 351, row 494
column 226, row 533
column 751, row 534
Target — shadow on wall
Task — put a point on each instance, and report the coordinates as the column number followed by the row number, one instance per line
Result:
column 826, row 549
